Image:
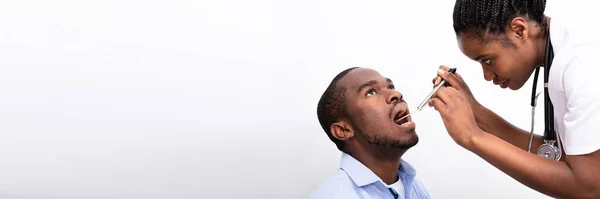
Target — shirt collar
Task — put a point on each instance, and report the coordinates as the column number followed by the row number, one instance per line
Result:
column 558, row 33
column 361, row 175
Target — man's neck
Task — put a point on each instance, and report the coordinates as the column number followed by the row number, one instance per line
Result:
column 384, row 164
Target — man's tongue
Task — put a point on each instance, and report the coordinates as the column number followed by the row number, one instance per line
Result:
column 401, row 121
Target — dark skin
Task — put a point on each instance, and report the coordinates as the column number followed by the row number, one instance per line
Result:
column 500, row 143
column 369, row 133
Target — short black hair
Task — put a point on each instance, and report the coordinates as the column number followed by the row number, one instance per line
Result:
column 332, row 106
column 478, row 16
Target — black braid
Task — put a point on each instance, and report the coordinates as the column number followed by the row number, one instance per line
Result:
column 492, row 16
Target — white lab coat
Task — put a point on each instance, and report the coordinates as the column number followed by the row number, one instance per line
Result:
column 573, row 83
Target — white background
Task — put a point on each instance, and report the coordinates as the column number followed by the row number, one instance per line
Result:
column 217, row 99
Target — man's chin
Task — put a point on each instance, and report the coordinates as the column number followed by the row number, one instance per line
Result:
column 407, row 144
column 409, row 132
column 402, row 143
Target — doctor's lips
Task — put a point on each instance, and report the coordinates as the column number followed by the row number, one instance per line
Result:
column 503, row 84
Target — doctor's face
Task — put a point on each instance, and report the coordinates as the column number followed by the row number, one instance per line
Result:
column 506, row 61
column 374, row 108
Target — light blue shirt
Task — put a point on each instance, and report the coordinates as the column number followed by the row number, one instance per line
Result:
column 355, row 180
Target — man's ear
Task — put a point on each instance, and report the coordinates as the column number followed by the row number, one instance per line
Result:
column 342, row 130
column 518, row 28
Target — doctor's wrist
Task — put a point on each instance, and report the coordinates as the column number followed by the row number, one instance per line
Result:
column 477, row 108
column 474, row 139
column 480, row 113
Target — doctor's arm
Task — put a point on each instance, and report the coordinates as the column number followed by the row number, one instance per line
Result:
column 489, row 121
column 492, row 123
column 576, row 177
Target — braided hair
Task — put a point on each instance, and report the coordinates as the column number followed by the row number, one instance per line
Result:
column 492, row 16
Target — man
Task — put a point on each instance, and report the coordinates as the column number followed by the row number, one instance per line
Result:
column 360, row 112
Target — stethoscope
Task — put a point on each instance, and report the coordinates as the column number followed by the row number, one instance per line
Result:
column 551, row 148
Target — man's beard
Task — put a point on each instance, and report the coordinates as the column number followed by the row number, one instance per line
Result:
column 385, row 142
column 388, row 143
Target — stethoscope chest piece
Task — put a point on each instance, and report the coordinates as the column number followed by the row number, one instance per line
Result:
column 550, row 151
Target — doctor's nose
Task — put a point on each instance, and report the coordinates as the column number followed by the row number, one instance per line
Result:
column 488, row 74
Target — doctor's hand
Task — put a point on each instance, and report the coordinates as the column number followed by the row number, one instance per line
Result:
column 455, row 109
column 456, row 81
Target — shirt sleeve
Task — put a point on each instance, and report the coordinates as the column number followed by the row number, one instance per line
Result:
column 582, row 118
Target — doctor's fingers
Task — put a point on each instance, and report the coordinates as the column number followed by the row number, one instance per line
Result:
column 453, row 80
column 444, row 95
column 437, row 79
column 444, row 99
column 438, row 105
column 450, row 96
column 446, row 68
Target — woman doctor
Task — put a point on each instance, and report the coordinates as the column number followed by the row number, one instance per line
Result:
column 512, row 40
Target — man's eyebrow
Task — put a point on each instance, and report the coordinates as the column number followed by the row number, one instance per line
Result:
column 389, row 81
column 370, row 83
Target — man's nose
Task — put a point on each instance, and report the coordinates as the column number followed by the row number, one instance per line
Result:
column 488, row 74
column 394, row 97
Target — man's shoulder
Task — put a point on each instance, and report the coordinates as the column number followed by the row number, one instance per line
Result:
column 420, row 189
column 337, row 185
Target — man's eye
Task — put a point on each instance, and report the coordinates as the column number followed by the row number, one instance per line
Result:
column 371, row 92
column 487, row 61
column 391, row 87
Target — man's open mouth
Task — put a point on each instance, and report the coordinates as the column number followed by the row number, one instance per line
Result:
column 398, row 119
